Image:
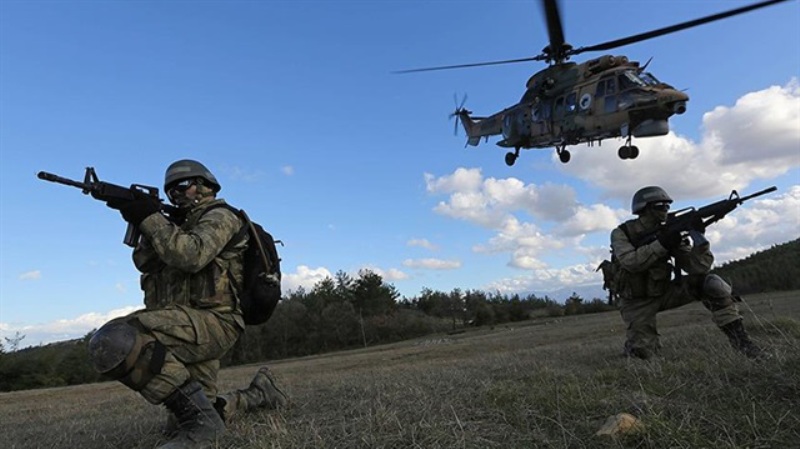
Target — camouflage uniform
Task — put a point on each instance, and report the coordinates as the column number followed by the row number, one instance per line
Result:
column 645, row 285
column 190, row 304
column 192, row 267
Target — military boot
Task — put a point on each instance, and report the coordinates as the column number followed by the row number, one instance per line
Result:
column 740, row 340
column 199, row 425
column 262, row 393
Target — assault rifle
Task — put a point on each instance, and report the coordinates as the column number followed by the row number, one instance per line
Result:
column 693, row 222
column 105, row 191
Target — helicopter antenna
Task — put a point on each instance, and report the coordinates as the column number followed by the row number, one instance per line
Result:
column 644, row 67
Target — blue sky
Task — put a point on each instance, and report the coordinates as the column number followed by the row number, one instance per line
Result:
column 294, row 108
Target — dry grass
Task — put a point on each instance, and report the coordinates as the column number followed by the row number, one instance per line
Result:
column 549, row 383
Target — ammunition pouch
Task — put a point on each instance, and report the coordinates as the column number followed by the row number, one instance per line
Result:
column 646, row 284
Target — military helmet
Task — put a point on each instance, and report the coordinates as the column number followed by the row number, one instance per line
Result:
column 646, row 195
column 188, row 169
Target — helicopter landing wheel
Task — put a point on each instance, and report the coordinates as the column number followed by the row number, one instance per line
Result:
column 511, row 158
column 628, row 152
column 563, row 155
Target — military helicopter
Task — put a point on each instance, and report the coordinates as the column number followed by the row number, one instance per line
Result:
column 569, row 103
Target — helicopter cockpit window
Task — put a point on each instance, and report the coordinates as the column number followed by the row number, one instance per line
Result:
column 606, row 86
column 648, row 78
column 571, row 102
column 629, row 79
column 611, row 87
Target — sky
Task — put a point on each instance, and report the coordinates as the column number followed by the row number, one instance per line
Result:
column 294, row 107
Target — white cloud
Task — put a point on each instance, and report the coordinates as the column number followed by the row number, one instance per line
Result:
column 544, row 279
column 389, row 275
column 422, row 243
column 304, row 277
column 64, row 329
column 287, row 170
column 462, row 180
column 432, row 264
column 773, row 113
column 489, row 202
column 495, row 203
column 597, row 217
column 33, row 275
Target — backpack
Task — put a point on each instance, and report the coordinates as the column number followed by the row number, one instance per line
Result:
column 612, row 272
column 261, row 290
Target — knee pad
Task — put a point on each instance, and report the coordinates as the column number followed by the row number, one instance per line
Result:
column 716, row 287
column 121, row 352
column 716, row 293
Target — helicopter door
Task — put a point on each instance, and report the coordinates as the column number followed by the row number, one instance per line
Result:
column 540, row 117
column 607, row 95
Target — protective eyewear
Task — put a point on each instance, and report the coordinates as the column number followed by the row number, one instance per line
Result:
column 181, row 186
column 662, row 206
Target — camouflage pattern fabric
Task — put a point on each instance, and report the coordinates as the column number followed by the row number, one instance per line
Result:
column 646, row 288
column 195, row 341
column 186, row 265
column 189, row 278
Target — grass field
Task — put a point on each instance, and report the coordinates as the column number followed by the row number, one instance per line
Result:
column 547, row 383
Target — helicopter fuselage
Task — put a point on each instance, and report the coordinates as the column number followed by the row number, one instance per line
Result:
column 569, row 103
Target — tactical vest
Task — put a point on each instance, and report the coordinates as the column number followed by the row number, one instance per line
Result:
column 209, row 288
column 648, row 283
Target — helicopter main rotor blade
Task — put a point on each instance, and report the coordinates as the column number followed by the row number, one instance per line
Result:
column 671, row 29
column 554, row 29
column 477, row 64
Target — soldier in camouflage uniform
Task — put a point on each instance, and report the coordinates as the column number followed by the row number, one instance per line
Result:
column 645, row 286
column 191, row 267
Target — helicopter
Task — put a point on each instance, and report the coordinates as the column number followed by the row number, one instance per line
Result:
column 571, row 103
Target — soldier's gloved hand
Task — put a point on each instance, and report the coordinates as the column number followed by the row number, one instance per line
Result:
column 698, row 225
column 134, row 212
column 669, row 239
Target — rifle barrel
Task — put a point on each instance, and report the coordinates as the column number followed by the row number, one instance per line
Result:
column 60, row 180
column 762, row 192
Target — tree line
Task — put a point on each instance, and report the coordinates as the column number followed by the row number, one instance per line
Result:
column 343, row 312
column 776, row 268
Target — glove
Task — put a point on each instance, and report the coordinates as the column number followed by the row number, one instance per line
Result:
column 134, row 212
column 669, row 239
column 698, row 225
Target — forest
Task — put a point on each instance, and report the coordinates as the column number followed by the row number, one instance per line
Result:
column 346, row 312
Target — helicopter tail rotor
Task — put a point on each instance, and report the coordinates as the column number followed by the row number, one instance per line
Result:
column 459, row 111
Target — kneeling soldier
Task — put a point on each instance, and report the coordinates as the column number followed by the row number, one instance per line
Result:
column 645, row 286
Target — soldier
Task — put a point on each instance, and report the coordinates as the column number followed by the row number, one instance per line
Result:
column 645, row 286
column 191, row 268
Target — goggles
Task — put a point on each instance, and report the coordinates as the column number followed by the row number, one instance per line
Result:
column 661, row 205
column 180, row 187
